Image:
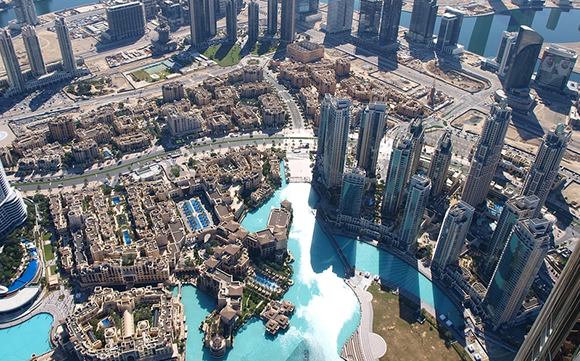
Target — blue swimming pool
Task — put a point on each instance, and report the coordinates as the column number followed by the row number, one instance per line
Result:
column 29, row 274
column 126, row 237
column 116, row 200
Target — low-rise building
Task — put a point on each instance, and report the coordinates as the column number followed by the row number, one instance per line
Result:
column 305, row 51
column 273, row 114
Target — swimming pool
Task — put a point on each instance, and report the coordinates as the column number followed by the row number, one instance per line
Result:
column 126, row 237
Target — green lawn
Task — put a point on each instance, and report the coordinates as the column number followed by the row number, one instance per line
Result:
column 224, row 54
column 48, row 252
column 140, row 75
column 52, row 270
column 264, row 48
column 406, row 338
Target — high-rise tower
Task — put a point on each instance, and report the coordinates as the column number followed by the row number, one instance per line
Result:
column 272, row 17
column 397, row 175
column 417, row 131
column 335, row 115
column 287, row 19
column 559, row 314
column 515, row 209
column 390, row 21
column 33, row 50
column 423, row 20
column 126, row 20
column 25, row 12
column 505, row 52
column 351, row 195
column 370, row 135
column 202, row 21
column 487, row 155
column 518, row 266
column 449, row 29
column 543, row 173
column 10, row 60
column 253, row 21
column 340, row 14
column 69, row 63
column 417, row 198
column 523, row 60
column 452, row 235
column 12, row 207
column 440, row 161
column 231, row 21
column 369, row 18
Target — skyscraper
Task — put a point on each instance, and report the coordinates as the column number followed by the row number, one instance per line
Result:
column 69, row 63
column 543, row 173
column 33, row 50
column 440, row 161
column 351, row 194
column 423, row 20
column 487, row 155
column 210, row 19
column 126, row 20
column 253, row 21
column 390, row 21
column 449, row 29
column 10, row 60
column 336, row 124
column 397, row 175
column 452, row 235
column 505, row 51
column 306, row 7
column 340, row 14
column 515, row 209
column 417, row 131
column 12, row 207
column 518, row 266
column 370, row 135
column 559, row 314
column 231, row 21
column 272, row 17
column 523, row 59
column 369, row 18
column 287, row 18
column 25, row 12
column 197, row 28
column 556, row 66
column 417, row 198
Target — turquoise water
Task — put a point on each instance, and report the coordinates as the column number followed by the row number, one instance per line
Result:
column 20, row 342
column 327, row 311
column 45, row 7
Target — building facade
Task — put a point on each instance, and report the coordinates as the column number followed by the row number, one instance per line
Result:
column 335, row 114
column 439, row 167
column 505, row 52
column 272, row 17
column 546, row 166
column 172, row 91
column 515, row 209
column 371, row 133
column 397, row 175
column 12, row 207
column 69, row 63
column 287, row 20
column 253, row 21
column 558, row 316
column 390, row 21
column 487, row 155
column 417, row 198
column 555, row 67
column 351, row 195
column 33, row 51
column 449, row 29
column 523, row 59
column 231, row 21
column 10, row 60
column 369, row 20
column 423, row 20
column 340, row 15
column 25, row 12
column 518, row 266
column 452, row 235
column 126, row 20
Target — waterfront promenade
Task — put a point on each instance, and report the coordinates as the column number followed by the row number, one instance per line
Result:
column 363, row 344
